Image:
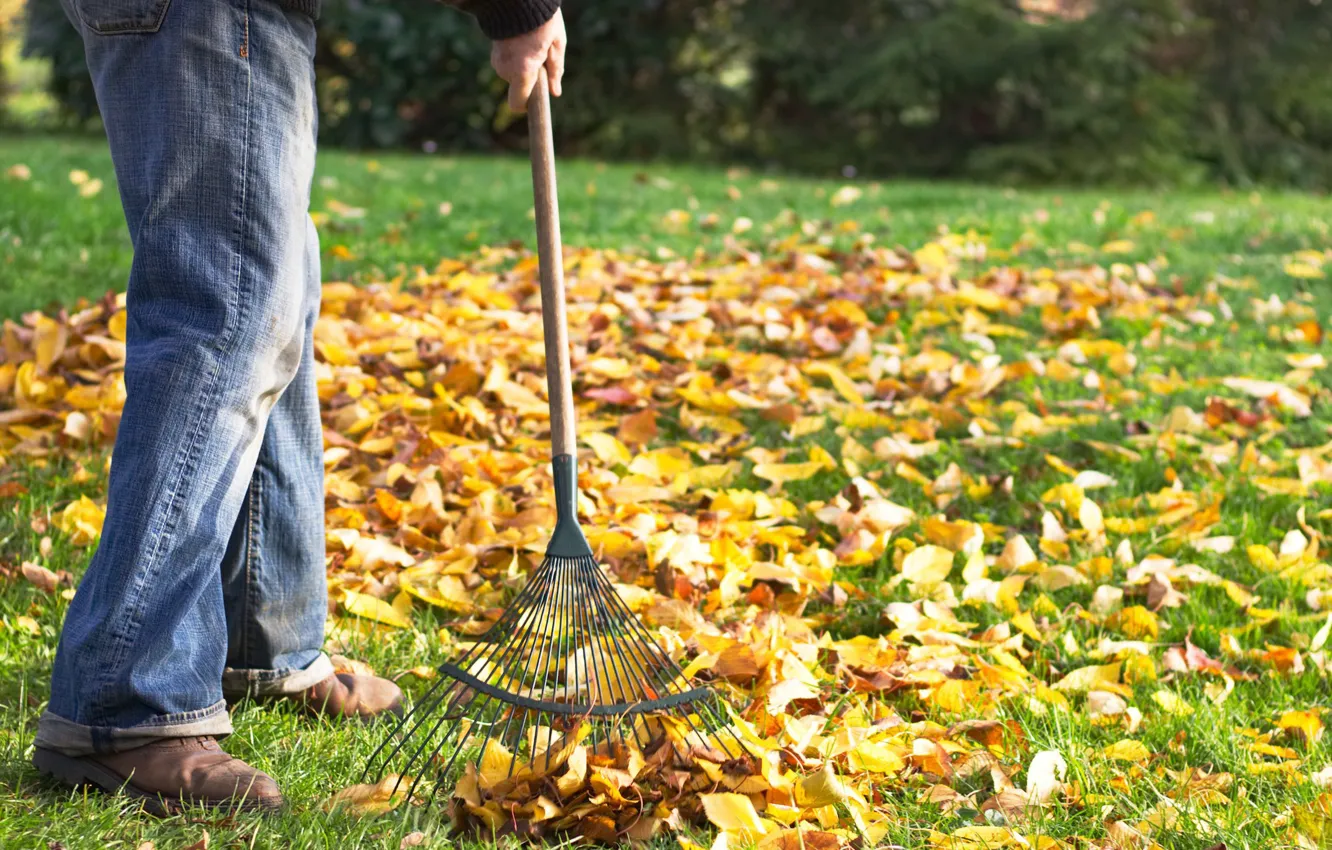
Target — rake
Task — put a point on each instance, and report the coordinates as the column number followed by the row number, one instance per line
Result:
column 568, row 653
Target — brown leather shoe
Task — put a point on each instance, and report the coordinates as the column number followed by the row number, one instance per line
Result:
column 167, row 774
column 346, row 695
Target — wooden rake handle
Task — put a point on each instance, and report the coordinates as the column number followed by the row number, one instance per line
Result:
column 550, row 254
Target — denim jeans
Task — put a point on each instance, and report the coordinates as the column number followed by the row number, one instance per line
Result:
column 209, row 578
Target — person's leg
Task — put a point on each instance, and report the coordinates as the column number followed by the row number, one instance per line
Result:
column 209, row 110
column 273, row 576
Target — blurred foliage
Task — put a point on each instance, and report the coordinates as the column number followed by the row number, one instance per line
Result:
column 1144, row 91
column 50, row 36
column 9, row 10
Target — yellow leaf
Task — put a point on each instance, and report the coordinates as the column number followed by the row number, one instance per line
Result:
column 1089, row 514
column 961, row 536
column 733, row 812
column 519, row 398
column 932, row 258
column 710, row 476
column 876, row 757
column 661, row 464
column 82, row 521
column 845, row 387
column 785, row 473
column 1134, row 623
column 821, row 789
column 927, row 565
column 1238, row 594
column 1016, row 555
column 608, row 449
column 610, row 367
column 1305, row 725
column 711, row 400
column 954, row 695
column 1304, row 271
column 495, row 765
column 372, row 608
column 806, row 425
column 49, row 338
column 575, row 773
column 1089, row 678
column 28, row 624
column 1118, row 246
column 1262, row 557
column 1171, row 703
column 1024, row 623
column 978, row 838
column 1279, row 486
column 372, row 799
column 1127, row 750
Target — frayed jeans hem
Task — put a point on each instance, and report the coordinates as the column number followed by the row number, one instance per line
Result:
column 241, row 683
column 64, row 736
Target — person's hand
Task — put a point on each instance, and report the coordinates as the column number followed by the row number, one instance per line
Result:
column 517, row 60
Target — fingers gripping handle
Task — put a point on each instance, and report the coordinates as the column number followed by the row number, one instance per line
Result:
column 551, row 255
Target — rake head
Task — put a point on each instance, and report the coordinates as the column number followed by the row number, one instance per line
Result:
column 565, row 653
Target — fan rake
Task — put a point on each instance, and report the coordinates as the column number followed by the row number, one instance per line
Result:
column 568, row 650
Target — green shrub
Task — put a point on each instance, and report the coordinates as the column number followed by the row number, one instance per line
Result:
column 973, row 87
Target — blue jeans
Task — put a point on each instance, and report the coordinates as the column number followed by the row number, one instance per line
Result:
column 209, row 579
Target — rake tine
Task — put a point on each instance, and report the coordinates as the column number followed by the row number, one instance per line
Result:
column 447, row 714
column 585, row 566
column 667, row 685
column 566, row 620
column 394, row 733
column 540, row 653
column 522, row 678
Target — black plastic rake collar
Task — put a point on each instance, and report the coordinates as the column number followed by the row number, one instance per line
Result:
column 567, row 541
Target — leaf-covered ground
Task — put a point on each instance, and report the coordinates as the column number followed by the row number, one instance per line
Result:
column 996, row 517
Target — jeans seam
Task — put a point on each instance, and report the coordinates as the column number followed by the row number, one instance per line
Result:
column 187, row 457
column 251, row 550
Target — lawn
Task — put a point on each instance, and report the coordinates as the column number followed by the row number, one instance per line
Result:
column 1005, row 473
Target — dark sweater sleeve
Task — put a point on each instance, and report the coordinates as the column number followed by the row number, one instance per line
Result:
column 501, row 19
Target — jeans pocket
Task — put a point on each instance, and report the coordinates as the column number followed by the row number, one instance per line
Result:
column 116, row 17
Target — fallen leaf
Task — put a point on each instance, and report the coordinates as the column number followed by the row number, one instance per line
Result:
column 40, row 577
column 1127, row 750
column 1089, row 678
column 927, row 565
column 363, row 605
column 733, row 812
column 1304, row 726
column 1045, row 776
column 372, row 798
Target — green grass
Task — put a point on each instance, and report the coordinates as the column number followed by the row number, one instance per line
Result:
column 56, row 247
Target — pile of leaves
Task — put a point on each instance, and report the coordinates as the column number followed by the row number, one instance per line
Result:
column 752, row 429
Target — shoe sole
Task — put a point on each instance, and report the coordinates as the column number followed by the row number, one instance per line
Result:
column 79, row 773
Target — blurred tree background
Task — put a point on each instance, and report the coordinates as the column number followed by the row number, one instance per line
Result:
column 1069, row 91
